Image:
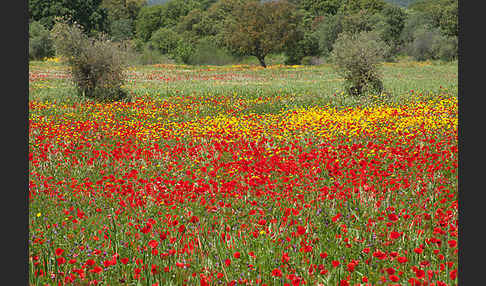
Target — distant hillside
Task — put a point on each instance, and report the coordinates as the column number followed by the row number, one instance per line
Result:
column 156, row 2
column 401, row 3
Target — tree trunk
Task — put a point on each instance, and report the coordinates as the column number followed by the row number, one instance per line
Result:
column 261, row 59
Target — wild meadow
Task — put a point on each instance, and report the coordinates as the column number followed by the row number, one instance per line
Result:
column 242, row 175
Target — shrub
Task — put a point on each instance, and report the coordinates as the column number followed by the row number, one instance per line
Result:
column 147, row 55
column 40, row 43
column 425, row 43
column 414, row 22
column 96, row 63
column 308, row 46
column 165, row 40
column 357, row 58
column 448, row 48
column 431, row 44
column 183, row 52
column 206, row 52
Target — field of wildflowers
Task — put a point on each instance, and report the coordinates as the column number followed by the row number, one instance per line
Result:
column 242, row 176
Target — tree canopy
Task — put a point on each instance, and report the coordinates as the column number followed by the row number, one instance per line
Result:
column 257, row 29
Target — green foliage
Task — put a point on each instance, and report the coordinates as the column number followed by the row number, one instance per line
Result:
column 308, row 46
column 168, row 15
column 177, row 9
column 431, row 44
column 395, row 18
column 361, row 21
column 206, row 52
column 328, row 31
column 212, row 20
column 357, row 58
column 122, row 15
column 148, row 21
column 165, row 40
column 191, row 23
column 184, row 49
column 448, row 21
column 354, row 6
column 443, row 14
column 121, row 29
column 40, row 43
column 319, row 7
column 448, row 48
column 97, row 64
column 258, row 29
column 147, row 55
column 87, row 13
column 414, row 22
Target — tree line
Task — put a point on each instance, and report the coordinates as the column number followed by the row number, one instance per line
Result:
column 195, row 31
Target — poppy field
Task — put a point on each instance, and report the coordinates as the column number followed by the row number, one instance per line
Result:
column 237, row 175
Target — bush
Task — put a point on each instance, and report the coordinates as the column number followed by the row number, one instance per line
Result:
column 40, row 43
column 206, row 52
column 183, row 52
column 414, row 22
column 357, row 58
column 448, row 48
column 164, row 40
column 96, row 63
column 308, row 46
column 424, row 45
column 430, row 44
column 147, row 55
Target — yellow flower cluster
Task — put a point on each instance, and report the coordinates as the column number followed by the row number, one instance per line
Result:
column 155, row 120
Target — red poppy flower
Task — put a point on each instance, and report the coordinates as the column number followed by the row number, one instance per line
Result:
column 420, row 273
column 351, row 266
column 285, row 258
column 301, row 230
column 96, row 269
column 124, row 260
column 153, row 243
column 336, row 217
column 236, row 255
column 59, row 251
column 402, row 259
column 61, row 260
column 394, row 278
column 379, row 254
column 154, row 269
column 453, row 274
column 335, row 263
column 452, row 243
column 393, row 217
column 395, row 234
column 227, row 262
column 276, row 272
